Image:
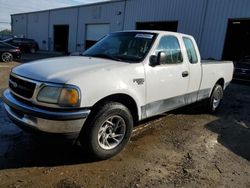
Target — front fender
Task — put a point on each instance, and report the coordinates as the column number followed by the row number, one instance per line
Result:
column 99, row 84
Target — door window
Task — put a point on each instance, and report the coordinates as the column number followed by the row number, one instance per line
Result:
column 171, row 47
column 191, row 52
column 17, row 40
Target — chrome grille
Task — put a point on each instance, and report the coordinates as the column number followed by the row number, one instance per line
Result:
column 21, row 87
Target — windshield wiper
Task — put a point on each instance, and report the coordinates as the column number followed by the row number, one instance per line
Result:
column 105, row 56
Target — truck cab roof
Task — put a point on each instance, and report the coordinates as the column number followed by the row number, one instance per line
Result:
column 158, row 32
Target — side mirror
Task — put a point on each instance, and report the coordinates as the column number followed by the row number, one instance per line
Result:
column 158, row 60
column 153, row 61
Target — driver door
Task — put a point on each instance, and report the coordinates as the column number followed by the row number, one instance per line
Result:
column 167, row 83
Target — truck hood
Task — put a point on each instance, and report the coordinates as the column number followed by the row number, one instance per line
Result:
column 63, row 69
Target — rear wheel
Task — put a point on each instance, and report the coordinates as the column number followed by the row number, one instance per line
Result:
column 107, row 130
column 214, row 101
column 6, row 57
column 32, row 50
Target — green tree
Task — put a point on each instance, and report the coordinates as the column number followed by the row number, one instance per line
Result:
column 5, row 32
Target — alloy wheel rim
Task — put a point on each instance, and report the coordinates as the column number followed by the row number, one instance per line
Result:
column 217, row 99
column 112, row 132
column 6, row 57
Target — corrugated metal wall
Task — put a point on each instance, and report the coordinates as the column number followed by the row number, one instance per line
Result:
column 188, row 13
column 19, row 25
column 37, row 28
column 206, row 20
column 41, row 24
column 215, row 25
column 64, row 17
column 109, row 13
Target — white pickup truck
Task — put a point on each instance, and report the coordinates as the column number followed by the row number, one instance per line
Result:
column 126, row 77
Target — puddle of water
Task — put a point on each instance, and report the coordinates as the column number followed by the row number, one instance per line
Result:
column 8, row 131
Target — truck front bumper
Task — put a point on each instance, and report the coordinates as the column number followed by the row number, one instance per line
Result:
column 31, row 118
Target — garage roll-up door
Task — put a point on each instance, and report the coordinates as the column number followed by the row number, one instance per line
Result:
column 95, row 32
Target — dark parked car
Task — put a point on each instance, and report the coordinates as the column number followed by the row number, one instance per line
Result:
column 9, row 52
column 25, row 45
column 242, row 69
column 4, row 37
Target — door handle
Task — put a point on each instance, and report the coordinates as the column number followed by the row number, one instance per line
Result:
column 185, row 74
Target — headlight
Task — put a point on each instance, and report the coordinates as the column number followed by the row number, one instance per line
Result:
column 69, row 97
column 62, row 96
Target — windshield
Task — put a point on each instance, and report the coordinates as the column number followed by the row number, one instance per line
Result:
column 124, row 46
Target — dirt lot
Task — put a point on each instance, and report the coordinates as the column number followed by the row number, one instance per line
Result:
column 185, row 148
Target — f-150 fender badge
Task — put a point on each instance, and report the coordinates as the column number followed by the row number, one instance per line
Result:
column 139, row 81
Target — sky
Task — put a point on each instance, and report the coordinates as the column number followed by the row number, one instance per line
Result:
column 8, row 7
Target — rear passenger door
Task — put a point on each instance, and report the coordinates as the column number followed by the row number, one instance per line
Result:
column 195, row 70
column 166, row 83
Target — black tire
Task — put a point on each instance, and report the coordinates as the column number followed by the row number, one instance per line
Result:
column 6, row 57
column 97, row 125
column 215, row 100
column 32, row 50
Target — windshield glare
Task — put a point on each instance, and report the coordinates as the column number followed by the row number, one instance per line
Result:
column 125, row 46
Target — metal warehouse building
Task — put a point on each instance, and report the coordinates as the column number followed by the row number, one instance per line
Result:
column 220, row 27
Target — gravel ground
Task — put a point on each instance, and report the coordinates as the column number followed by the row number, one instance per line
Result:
column 184, row 148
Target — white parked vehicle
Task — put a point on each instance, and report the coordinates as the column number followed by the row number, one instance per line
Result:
column 124, row 78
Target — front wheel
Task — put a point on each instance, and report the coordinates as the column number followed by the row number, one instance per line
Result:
column 107, row 130
column 6, row 57
column 215, row 99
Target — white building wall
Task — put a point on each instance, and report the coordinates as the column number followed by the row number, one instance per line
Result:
column 108, row 13
column 215, row 24
column 19, row 25
column 37, row 28
column 188, row 13
column 64, row 17
column 206, row 20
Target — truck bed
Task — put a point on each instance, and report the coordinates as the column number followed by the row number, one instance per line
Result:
column 212, row 71
column 214, row 62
